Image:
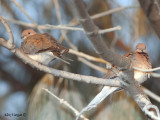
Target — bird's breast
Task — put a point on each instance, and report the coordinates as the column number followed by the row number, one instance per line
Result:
column 141, row 76
column 43, row 58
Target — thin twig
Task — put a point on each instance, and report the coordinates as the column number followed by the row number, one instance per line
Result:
column 11, row 40
column 59, row 17
column 110, row 30
column 91, row 58
column 70, row 23
column 147, row 70
column 156, row 75
column 58, row 13
column 76, row 112
column 102, row 14
column 93, row 65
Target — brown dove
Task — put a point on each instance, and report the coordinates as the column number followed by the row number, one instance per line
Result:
column 140, row 59
column 42, row 47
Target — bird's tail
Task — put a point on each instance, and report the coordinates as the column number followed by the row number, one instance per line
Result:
column 64, row 59
column 106, row 91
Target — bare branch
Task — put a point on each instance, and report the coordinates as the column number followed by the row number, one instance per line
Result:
column 157, row 75
column 91, row 58
column 93, row 65
column 76, row 112
column 110, row 30
column 102, row 14
column 151, row 94
column 11, row 40
column 147, row 70
column 58, row 11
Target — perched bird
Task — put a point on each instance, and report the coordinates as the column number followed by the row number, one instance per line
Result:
column 139, row 59
column 42, row 47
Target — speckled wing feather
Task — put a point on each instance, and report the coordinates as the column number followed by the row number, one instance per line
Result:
column 56, row 48
column 140, row 60
column 35, row 43
column 143, row 61
column 110, row 74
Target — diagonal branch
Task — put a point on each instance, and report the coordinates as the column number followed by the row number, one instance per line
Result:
column 11, row 40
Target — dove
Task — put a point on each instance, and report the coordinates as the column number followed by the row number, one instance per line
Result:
column 42, row 48
column 140, row 59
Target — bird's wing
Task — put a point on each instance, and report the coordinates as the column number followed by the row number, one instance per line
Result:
column 56, row 47
column 110, row 74
column 140, row 60
column 35, row 44
column 41, row 43
column 145, row 62
column 128, row 55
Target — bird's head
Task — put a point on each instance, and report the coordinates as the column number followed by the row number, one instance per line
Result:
column 141, row 47
column 27, row 33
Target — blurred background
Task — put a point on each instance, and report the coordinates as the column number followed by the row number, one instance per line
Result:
column 20, row 84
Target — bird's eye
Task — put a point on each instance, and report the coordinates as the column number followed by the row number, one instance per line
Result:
column 28, row 32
